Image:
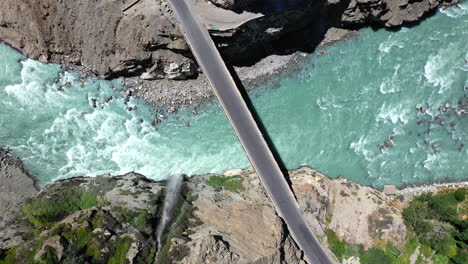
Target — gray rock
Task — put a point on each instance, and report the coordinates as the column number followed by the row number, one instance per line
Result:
column 146, row 41
column 97, row 35
column 56, row 243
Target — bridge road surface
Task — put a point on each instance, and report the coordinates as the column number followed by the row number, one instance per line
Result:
column 248, row 132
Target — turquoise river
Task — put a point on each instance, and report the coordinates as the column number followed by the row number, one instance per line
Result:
column 334, row 114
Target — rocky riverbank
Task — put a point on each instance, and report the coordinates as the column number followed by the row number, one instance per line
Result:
column 16, row 185
column 144, row 45
column 221, row 219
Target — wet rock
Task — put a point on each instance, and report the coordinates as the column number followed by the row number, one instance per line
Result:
column 388, row 144
column 94, row 102
column 108, row 99
column 156, row 121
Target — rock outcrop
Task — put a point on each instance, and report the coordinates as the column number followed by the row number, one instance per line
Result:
column 241, row 226
column 100, row 35
column 221, row 219
column 111, row 40
column 88, row 220
column 307, row 25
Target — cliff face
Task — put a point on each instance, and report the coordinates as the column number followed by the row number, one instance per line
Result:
column 238, row 224
column 99, row 35
column 145, row 41
column 221, row 219
column 86, row 220
column 312, row 23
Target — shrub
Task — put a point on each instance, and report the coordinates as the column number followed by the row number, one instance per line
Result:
column 415, row 215
column 450, row 236
column 341, row 248
column 335, row 244
column 460, row 195
column 461, row 257
column 446, row 246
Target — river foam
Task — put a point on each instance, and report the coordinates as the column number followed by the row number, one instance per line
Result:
column 354, row 112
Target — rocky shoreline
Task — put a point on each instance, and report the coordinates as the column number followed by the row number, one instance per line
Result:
column 16, row 185
column 416, row 190
column 169, row 95
column 224, row 218
column 156, row 63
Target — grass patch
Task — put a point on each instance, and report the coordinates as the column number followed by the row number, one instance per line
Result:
column 43, row 210
column 139, row 219
column 231, row 182
column 120, row 255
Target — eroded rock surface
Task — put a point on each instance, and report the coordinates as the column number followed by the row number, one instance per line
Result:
column 221, row 219
column 144, row 40
column 88, row 220
column 241, row 225
column 99, row 35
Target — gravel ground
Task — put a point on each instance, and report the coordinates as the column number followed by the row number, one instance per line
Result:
column 171, row 94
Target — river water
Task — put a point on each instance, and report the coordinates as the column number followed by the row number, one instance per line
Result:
column 334, row 114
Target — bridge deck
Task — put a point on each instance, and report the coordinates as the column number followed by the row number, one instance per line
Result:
column 248, row 132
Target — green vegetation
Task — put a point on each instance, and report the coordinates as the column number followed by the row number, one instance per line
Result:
column 460, row 195
column 140, row 219
column 177, row 228
column 341, row 248
column 8, row 257
column 83, row 246
column 84, row 243
column 56, row 206
column 375, row 255
column 120, row 256
column 437, row 222
column 436, row 225
column 231, row 182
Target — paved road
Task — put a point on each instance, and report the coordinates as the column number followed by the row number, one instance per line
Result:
column 247, row 131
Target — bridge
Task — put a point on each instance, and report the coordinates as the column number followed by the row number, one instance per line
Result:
column 247, row 131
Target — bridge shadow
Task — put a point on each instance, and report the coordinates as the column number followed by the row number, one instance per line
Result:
column 260, row 124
